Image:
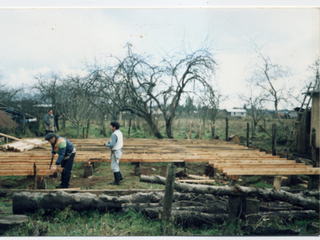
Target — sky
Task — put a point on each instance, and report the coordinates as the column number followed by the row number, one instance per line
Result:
column 38, row 38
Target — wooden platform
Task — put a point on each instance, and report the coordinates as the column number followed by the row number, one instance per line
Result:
column 229, row 158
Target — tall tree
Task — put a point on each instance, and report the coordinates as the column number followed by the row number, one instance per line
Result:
column 50, row 88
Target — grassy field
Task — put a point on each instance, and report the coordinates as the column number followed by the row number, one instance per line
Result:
column 92, row 223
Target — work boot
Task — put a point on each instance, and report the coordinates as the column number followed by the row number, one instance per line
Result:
column 116, row 180
column 60, row 186
column 121, row 176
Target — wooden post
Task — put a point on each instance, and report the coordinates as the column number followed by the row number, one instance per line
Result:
column 227, row 129
column 200, row 133
column 313, row 182
column 83, row 132
column 7, row 140
column 137, row 169
column 274, row 133
column 35, row 175
column 168, row 192
column 212, row 131
column 190, row 129
column 248, row 134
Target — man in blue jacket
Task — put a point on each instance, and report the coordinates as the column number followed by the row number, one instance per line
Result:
column 115, row 144
column 66, row 152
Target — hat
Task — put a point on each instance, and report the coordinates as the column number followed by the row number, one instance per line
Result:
column 49, row 136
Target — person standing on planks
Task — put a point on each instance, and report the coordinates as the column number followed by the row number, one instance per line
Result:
column 49, row 122
column 115, row 144
column 66, row 152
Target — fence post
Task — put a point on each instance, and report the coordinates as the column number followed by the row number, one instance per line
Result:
column 190, row 129
column 200, row 133
column 248, row 134
column 274, row 133
column 168, row 196
column 227, row 129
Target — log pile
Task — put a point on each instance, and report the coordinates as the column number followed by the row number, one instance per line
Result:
column 188, row 209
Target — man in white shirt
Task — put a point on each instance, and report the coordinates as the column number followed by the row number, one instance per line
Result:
column 115, row 144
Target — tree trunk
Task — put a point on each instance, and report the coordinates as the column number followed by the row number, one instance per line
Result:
column 78, row 131
column 103, row 126
column 88, row 126
column 56, row 118
column 169, row 127
column 64, row 122
column 270, row 195
column 153, row 127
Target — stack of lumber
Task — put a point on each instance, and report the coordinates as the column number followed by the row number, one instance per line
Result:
column 24, row 145
column 230, row 158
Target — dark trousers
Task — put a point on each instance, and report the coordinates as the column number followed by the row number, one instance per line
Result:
column 66, row 173
column 48, row 132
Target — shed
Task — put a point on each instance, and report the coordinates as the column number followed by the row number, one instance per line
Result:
column 315, row 115
column 6, row 121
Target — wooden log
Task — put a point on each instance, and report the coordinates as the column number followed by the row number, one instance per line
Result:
column 190, row 218
column 197, row 177
column 269, row 195
column 283, row 215
column 10, row 221
column 192, row 206
column 197, row 181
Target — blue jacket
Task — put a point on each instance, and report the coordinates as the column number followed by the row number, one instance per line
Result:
column 63, row 147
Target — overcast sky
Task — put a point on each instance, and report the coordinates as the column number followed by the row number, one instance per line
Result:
column 38, row 40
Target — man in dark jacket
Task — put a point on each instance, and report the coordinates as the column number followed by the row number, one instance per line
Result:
column 49, row 122
column 66, row 152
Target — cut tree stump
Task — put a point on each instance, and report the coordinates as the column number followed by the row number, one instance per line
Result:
column 88, row 171
column 11, row 221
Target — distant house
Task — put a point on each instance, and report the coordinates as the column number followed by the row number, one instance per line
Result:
column 237, row 112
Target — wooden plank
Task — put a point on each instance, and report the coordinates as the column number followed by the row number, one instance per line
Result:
column 270, row 165
column 196, row 181
column 259, row 171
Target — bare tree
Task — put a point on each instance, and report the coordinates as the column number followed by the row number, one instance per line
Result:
column 75, row 105
column 50, row 89
column 187, row 73
column 271, row 79
column 7, row 94
column 254, row 100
